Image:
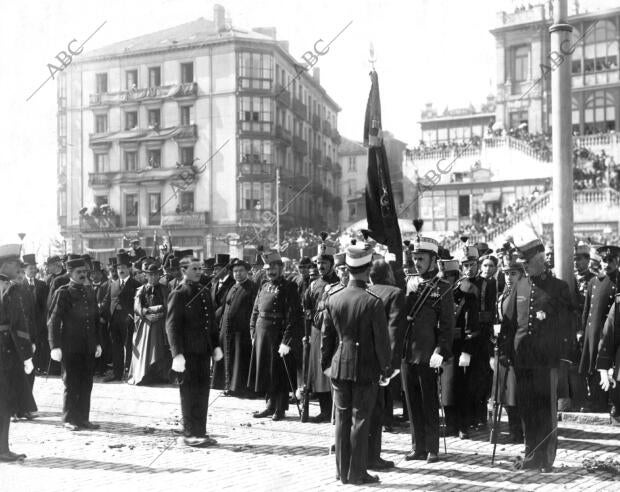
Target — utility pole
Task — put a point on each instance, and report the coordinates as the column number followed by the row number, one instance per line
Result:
column 278, row 208
column 563, row 235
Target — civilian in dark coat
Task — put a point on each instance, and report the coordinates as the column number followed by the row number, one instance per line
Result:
column 118, row 306
column 75, row 342
column 355, row 353
column 535, row 334
column 193, row 338
column 393, row 300
column 235, row 336
column 608, row 359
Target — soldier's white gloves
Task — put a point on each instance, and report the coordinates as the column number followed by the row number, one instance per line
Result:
column 218, row 354
column 98, row 351
column 436, row 361
column 283, row 350
column 28, row 366
column 56, row 354
column 178, row 363
column 604, row 379
column 464, row 359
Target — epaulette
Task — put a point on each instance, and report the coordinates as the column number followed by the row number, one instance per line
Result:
column 335, row 290
column 372, row 294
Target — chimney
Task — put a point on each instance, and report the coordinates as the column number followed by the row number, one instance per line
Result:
column 219, row 17
column 316, row 74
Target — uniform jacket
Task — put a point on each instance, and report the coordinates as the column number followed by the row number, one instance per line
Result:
column 73, row 324
column 432, row 328
column 218, row 295
column 191, row 326
column 117, row 299
column 599, row 298
column 393, row 299
column 355, row 342
column 609, row 345
column 278, row 305
column 550, row 328
column 238, row 307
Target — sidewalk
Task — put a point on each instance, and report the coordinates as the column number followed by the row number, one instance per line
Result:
column 136, row 450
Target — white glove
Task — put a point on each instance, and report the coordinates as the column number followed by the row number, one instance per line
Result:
column 604, row 379
column 464, row 359
column 218, row 354
column 283, row 350
column 436, row 361
column 98, row 351
column 178, row 363
column 28, row 366
column 56, row 354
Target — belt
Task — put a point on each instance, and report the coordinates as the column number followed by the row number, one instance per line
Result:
column 270, row 315
column 19, row 333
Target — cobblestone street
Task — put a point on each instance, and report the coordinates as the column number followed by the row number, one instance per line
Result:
column 136, row 443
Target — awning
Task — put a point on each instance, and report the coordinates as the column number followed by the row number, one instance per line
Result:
column 492, row 197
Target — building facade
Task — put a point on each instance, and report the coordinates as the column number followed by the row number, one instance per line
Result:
column 179, row 133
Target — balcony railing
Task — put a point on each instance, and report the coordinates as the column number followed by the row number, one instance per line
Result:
column 300, row 146
column 189, row 89
column 90, row 223
column 299, row 108
column 184, row 219
column 255, row 171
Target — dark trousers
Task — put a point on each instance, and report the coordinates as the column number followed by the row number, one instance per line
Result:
column 420, row 387
column 194, row 388
column 354, row 403
column 5, row 422
column 537, row 403
column 121, row 335
column 377, row 419
column 77, row 374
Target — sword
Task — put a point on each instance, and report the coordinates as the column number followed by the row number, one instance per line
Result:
column 290, row 382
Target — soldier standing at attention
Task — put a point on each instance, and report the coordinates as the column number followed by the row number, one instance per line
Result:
column 275, row 325
column 355, row 352
column 428, row 338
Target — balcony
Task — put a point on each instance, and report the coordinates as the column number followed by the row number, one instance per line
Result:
column 149, row 175
column 300, row 146
column 283, row 135
column 316, row 122
column 258, row 128
column 299, row 109
column 256, row 171
column 191, row 219
column 185, row 90
column 89, row 223
column 282, row 95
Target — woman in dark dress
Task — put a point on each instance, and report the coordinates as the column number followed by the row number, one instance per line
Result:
column 150, row 360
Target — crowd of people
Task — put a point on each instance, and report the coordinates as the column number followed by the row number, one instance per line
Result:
column 352, row 329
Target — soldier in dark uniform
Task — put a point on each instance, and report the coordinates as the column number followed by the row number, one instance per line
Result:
column 355, row 352
column 193, row 338
column 235, row 329
column 608, row 358
column 393, row 299
column 428, row 339
column 75, row 342
column 535, row 334
column 599, row 298
column 317, row 382
column 15, row 351
column 275, row 327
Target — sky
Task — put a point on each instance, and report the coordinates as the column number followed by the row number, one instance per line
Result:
column 437, row 51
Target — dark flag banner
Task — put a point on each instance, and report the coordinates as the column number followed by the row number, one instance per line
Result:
column 380, row 210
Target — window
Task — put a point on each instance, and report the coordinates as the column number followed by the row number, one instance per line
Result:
column 255, row 70
column 154, row 208
column 187, row 156
column 186, row 115
column 101, row 163
column 154, row 158
column 256, row 151
column 186, row 202
column 187, row 72
column 131, row 160
column 131, row 79
column 257, row 196
column 154, row 118
column 101, row 123
column 521, row 64
column 255, row 114
column 131, row 209
column 131, row 120
column 154, row 77
column 101, row 82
